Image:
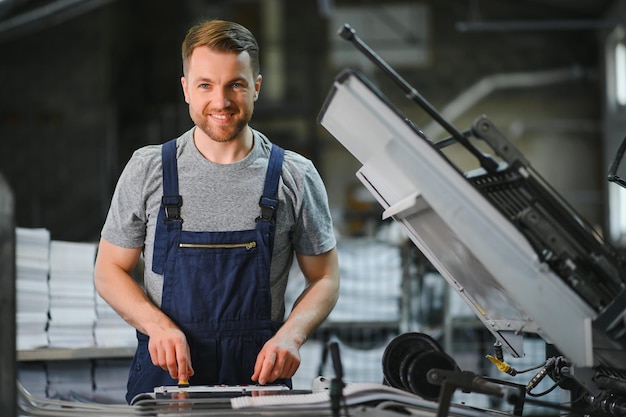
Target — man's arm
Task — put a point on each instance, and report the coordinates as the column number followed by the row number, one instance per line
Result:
column 279, row 357
column 168, row 345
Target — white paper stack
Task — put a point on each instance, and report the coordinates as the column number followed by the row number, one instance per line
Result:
column 371, row 280
column 72, row 294
column 32, row 252
column 110, row 377
column 110, row 329
column 32, row 376
column 70, row 380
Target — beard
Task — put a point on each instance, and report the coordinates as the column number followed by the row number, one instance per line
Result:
column 221, row 133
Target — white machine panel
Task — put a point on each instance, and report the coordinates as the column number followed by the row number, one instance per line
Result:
column 481, row 254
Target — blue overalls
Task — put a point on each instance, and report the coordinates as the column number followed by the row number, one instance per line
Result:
column 216, row 288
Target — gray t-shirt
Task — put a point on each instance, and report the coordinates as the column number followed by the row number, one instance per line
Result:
column 222, row 197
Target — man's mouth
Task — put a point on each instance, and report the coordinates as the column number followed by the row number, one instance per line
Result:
column 221, row 117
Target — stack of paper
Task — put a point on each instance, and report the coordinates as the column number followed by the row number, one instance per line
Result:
column 70, row 380
column 110, row 377
column 357, row 393
column 32, row 376
column 32, row 252
column 72, row 294
column 110, row 329
column 371, row 280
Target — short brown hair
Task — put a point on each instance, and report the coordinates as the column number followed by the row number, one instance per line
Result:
column 222, row 36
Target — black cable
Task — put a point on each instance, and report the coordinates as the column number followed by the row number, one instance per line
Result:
column 546, row 392
column 530, row 369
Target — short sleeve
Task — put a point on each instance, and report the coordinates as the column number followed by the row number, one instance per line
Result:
column 125, row 224
column 314, row 232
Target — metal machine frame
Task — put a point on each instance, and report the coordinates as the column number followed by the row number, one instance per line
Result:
column 511, row 247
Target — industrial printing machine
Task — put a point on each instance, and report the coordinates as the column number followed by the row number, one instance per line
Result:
column 520, row 257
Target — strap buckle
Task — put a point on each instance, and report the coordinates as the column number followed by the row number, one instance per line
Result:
column 268, row 205
column 172, row 205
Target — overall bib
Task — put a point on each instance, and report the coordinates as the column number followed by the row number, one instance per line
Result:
column 216, row 288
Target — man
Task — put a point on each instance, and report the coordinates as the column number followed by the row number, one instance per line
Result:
column 219, row 213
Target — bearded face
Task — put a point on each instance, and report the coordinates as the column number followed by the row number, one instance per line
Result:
column 220, row 89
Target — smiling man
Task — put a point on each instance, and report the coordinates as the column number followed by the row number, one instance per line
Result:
column 219, row 214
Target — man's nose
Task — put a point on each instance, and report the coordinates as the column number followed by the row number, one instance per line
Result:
column 220, row 98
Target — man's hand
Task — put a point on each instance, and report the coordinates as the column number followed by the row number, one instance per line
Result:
column 112, row 276
column 279, row 358
column 169, row 350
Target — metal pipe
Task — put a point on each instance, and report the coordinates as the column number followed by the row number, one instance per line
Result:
column 536, row 25
column 45, row 16
column 349, row 34
column 492, row 83
column 6, row 6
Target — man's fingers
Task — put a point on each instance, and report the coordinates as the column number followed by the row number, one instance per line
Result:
column 158, row 354
column 285, row 367
column 171, row 364
column 272, row 364
column 172, row 355
column 183, row 363
column 277, row 372
column 181, row 367
column 267, row 366
column 258, row 365
column 292, row 369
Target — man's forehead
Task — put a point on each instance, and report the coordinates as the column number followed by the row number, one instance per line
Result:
column 244, row 56
column 205, row 59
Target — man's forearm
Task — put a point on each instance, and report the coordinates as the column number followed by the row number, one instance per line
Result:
column 117, row 287
column 312, row 307
column 125, row 296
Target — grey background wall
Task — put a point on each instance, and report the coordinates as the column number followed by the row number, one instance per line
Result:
column 80, row 93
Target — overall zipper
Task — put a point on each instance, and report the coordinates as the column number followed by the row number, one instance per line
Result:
column 246, row 245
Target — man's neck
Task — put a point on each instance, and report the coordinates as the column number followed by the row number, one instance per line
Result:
column 224, row 152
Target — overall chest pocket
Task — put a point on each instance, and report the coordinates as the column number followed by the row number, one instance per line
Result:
column 217, row 246
column 217, row 281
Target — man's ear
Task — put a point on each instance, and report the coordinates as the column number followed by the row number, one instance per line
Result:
column 257, row 86
column 183, row 82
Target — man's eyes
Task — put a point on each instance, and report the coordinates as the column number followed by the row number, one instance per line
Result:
column 205, row 86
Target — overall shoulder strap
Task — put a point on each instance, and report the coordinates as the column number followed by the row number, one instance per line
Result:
column 269, row 199
column 171, row 202
column 266, row 222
